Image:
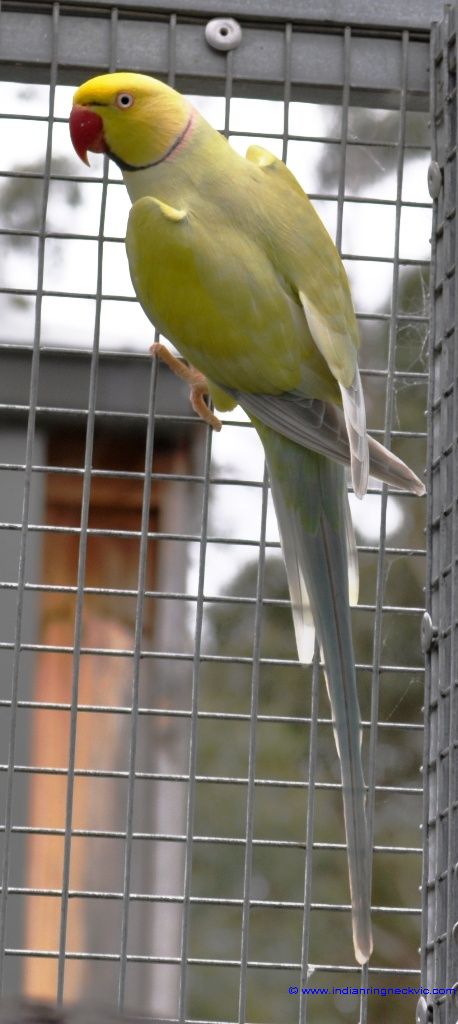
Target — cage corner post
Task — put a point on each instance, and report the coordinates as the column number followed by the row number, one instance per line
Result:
column 440, row 828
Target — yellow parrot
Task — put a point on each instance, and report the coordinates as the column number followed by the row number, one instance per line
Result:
column 231, row 262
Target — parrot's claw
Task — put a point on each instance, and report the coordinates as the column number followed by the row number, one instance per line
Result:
column 198, row 386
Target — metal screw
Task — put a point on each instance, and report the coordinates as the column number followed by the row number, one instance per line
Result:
column 223, row 33
column 434, row 179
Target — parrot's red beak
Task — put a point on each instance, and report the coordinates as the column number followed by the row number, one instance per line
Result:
column 86, row 132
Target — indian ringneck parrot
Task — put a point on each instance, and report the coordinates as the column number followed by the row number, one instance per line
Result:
column 231, row 262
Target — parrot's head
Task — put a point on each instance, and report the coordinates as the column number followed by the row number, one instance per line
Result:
column 136, row 120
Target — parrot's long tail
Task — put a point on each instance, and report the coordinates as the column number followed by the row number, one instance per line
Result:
column 310, row 498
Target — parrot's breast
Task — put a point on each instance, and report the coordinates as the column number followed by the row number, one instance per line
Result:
column 209, row 286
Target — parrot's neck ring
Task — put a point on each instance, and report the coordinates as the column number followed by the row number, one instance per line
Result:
column 180, row 139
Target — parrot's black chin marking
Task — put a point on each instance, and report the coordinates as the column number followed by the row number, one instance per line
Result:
column 124, row 166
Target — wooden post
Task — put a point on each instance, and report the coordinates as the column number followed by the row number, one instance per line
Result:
column 103, row 737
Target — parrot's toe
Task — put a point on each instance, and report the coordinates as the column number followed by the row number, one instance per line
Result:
column 198, row 385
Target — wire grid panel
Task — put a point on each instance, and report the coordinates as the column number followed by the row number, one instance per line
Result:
column 439, row 886
column 192, row 862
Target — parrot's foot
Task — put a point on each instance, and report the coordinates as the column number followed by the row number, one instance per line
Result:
column 198, row 386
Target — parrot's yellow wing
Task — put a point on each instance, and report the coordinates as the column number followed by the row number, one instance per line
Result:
column 329, row 337
column 328, row 309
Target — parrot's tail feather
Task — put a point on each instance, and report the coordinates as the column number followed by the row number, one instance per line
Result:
column 387, row 467
column 352, row 554
column 291, row 536
column 292, row 543
column 310, row 499
column 321, row 427
column 343, row 698
column 355, row 420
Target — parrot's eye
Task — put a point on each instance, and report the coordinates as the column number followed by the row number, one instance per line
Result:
column 124, row 100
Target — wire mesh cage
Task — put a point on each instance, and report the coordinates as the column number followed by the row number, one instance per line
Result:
column 172, row 835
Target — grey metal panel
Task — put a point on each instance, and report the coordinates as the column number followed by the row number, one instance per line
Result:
column 258, row 65
column 410, row 14
column 122, row 389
